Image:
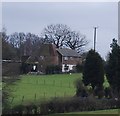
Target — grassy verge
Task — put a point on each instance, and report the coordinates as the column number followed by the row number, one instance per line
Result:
column 111, row 112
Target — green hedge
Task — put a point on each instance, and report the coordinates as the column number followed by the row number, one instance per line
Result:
column 53, row 69
column 64, row 105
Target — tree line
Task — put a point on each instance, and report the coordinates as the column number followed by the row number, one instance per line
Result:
column 18, row 44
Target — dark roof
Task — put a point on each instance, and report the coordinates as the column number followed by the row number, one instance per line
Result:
column 68, row 52
column 47, row 50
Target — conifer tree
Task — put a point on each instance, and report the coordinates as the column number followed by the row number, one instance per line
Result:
column 113, row 66
column 93, row 72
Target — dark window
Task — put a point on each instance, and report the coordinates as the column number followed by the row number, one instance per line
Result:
column 66, row 67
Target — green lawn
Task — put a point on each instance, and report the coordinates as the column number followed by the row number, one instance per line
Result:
column 90, row 113
column 112, row 111
column 32, row 88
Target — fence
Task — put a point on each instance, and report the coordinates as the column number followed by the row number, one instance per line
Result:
column 36, row 97
column 43, row 95
column 53, row 83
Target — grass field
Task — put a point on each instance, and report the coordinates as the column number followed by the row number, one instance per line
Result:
column 112, row 111
column 32, row 88
column 90, row 113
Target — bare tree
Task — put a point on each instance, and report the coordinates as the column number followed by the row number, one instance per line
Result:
column 16, row 39
column 8, row 51
column 32, row 43
column 56, row 34
column 76, row 41
column 26, row 44
column 62, row 36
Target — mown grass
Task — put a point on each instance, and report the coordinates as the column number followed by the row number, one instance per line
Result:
column 89, row 113
column 112, row 111
column 33, row 88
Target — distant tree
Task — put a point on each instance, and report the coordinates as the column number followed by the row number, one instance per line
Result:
column 32, row 44
column 53, row 69
column 76, row 41
column 17, row 41
column 56, row 34
column 113, row 66
column 93, row 72
column 8, row 51
column 25, row 44
column 62, row 36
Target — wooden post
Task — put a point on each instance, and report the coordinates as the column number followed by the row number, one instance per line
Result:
column 44, row 95
column 61, row 83
column 55, row 95
column 35, row 96
column 22, row 98
column 64, row 94
column 44, row 81
column 69, row 84
column 53, row 82
column 37, row 82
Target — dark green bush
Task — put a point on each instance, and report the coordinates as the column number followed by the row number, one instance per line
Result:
column 62, row 105
column 76, row 104
column 53, row 69
column 24, row 68
column 108, row 92
column 10, row 68
column 79, row 68
column 99, row 92
column 81, row 90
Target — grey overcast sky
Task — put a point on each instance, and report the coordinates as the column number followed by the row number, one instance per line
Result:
column 79, row 16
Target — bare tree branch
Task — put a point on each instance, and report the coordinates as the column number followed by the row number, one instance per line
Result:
column 76, row 41
column 62, row 36
column 56, row 34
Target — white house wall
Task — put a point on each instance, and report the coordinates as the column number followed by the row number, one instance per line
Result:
column 70, row 67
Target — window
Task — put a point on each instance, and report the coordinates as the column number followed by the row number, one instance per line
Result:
column 41, row 57
column 66, row 67
column 71, row 58
column 65, row 58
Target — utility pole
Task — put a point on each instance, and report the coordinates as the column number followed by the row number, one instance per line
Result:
column 95, row 28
